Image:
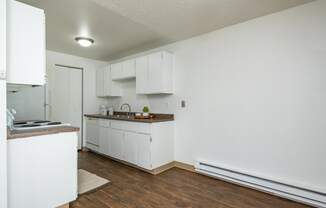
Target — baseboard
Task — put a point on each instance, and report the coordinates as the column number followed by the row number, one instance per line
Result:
column 64, row 206
column 184, row 166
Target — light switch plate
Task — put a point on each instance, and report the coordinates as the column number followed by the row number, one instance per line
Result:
column 183, row 103
column 2, row 75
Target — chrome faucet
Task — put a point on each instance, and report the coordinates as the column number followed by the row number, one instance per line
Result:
column 129, row 108
column 10, row 118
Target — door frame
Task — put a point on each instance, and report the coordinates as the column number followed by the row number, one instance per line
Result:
column 82, row 99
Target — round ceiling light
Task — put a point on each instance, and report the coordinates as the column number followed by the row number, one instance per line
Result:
column 84, row 42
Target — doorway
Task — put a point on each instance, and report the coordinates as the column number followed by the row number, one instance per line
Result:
column 65, row 97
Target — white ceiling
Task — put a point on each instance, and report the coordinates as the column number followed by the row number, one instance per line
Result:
column 121, row 27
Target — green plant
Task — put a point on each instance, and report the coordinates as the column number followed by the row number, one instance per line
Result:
column 146, row 109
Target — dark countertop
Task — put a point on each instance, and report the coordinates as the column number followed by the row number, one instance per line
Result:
column 39, row 132
column 155, row 117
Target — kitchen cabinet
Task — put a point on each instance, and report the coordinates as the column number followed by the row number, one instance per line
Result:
column 130, row 147
column 104, row 144
column 100, row 82
column 25, row 44
column 42, row 170
column 117, row 71
column 154, row 73
column 105, row 87
column 123, row 70
column 92, row 134
column 146, row 145
column 116, row 143
column 128, row 68
column 144, row 151
column 141, row 75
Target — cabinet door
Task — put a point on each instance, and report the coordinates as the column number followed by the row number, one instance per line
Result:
column 104, row 140
column 100, row 82
column 155, row 73
column 144, row 151
column 130, row 147
column 141, row 75
column 116, row 71
column 92, row 131
column 111, row 88
column 26, row 44
column 129, row 69
column 116, row 142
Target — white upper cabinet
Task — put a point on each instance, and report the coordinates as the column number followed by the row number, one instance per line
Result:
column 116, row 71
column 25, row 44
column 129, row 69
column 100, row 82
column 105, row 87
column 123, row 70
column 154, row 74
column 141, row 75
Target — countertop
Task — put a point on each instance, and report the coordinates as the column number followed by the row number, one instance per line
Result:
column 123, row 117
column 39, row 132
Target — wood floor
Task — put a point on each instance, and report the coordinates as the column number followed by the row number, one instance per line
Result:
column 130, row 187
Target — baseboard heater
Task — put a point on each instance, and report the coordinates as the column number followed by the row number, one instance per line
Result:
column 285, row 190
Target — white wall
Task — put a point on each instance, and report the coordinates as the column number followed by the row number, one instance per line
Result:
column 256, row 96
column 28, row 103
column 91, row 102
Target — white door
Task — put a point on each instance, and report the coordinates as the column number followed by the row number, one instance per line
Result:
column 130, row 147
column 116, row 143
column 65, row 92
column 144, row 151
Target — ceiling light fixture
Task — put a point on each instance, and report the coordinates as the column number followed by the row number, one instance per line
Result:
column 84, row 42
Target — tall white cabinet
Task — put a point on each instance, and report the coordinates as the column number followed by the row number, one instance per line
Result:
column 25, row 44
column 3, row 132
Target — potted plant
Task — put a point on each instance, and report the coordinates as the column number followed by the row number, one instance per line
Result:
column 145, row 111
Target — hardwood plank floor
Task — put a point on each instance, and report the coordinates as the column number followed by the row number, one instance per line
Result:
column 175, row 188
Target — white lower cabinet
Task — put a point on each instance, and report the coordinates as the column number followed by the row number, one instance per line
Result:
column 116, row 143
column 104, row 144
column 144, row 151
column 145, row 145
column 130, row 147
